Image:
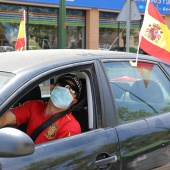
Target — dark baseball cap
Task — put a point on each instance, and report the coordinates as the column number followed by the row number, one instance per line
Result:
column 73, row 78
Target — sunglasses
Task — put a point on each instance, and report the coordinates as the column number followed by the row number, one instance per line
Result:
column 70, row 87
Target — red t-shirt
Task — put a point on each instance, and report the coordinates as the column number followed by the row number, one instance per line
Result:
column 32, row 114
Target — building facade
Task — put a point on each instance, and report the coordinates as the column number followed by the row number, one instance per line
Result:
column 90, row 24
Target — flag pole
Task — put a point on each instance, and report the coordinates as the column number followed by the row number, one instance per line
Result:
column 157, row 4
column 25, row 32
column 134, row 64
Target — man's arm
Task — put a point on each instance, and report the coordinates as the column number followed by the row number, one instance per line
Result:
column 8, row 118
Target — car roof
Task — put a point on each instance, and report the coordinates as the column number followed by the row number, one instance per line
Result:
column 18, row 61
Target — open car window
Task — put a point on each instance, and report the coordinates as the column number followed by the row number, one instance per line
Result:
column 83, row 114
column 139, row 92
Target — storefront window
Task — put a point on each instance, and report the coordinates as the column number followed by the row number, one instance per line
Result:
column 75, row 29
column 10, row 17
column 112, row 34
column 108, row 31
column 75, row 37
column 42, row 28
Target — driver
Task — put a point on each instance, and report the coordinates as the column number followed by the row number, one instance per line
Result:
column 64, row 94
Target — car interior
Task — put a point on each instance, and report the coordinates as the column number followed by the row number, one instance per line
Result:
column 137, row 97
column 84, row 112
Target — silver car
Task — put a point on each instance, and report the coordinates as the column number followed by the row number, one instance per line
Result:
column 6, row 49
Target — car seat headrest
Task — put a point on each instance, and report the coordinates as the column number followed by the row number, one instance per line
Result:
column 119, row 88
column 149, row 93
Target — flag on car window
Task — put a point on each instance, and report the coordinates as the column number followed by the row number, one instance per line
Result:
column 21, row 40
column 154, row 36
column 145, row 70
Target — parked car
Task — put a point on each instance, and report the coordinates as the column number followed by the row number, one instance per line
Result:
column 125, row 121
column 109, row 47
column 6, row 49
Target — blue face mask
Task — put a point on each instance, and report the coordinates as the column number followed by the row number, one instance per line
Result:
column 61, row 97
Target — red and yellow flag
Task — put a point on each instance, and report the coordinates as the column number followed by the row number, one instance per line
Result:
column 21, row 40
column 145, row 70
column 154, row 34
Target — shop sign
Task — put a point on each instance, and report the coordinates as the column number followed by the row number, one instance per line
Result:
column 163, row 5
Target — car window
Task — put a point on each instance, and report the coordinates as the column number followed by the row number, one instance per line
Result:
column 167, row 67
column 42, row 92
column 139, row 92
column 45, row 89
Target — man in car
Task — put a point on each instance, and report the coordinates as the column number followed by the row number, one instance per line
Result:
column 64, row 94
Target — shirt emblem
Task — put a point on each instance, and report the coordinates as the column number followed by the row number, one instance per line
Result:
column 51, row 132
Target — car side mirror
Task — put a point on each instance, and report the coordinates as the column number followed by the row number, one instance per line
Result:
column 15, row 143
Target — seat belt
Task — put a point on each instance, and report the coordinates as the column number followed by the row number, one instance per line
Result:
column 52, row 119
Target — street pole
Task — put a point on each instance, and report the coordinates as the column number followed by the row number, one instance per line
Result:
column 128, row 13
column 62, row 25
column 128, row 25
column 157, row 4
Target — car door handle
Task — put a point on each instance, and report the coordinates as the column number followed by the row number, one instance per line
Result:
column 105, row 161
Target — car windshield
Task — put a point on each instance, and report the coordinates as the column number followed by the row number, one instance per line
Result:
column 5, row 78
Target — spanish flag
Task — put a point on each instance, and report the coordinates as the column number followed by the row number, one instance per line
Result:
column 154, row 36
column 21, row 40
column 145, row 70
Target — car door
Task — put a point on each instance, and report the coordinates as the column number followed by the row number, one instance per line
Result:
column 141, row 97
column 76, row 152
column 96, row 148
